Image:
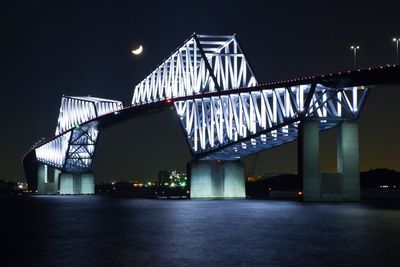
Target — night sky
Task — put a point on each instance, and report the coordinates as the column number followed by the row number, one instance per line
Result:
column 51, row 48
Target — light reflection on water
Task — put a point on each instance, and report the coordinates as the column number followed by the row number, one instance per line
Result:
column 105, row 231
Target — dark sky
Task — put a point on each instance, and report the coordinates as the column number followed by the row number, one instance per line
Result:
column 51, row 48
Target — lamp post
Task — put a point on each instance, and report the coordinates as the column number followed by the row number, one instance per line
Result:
column 354, row 48
column 397, row 40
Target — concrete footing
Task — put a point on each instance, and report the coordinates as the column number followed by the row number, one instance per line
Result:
column 209, row 179
column 47, row 180
column 76, row 183
column 87, row 183
column 341, row 186
column 66, row 183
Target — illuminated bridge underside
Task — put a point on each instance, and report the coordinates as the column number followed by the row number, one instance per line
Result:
column 225, row 113
column 234, row 125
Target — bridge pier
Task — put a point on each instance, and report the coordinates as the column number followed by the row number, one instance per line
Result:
column 344, row 185
column 308, row 156
column 76, row 183
column 47, row 181
column 348, row 163
column 211, row 179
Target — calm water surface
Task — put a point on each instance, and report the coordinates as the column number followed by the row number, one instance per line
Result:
column 106, row 231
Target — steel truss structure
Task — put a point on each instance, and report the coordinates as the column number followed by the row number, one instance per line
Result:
column 237, row 122
column 76, row 134
column 225, row 113
column 233, row 125
column 203, row 64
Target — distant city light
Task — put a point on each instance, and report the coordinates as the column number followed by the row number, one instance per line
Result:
column 176, row 179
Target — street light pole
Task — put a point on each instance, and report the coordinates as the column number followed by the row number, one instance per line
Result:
column 354, row 48
column 397, row 40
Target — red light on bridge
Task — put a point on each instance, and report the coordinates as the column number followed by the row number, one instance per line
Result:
column 169, row 101
column 300, row 193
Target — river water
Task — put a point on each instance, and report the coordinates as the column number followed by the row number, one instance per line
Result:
column 110, row 231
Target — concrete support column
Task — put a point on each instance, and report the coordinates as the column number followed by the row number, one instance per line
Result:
column 348, row 160
column 200, row 179
column 46, row 185
column 56, row 179
column 66, row 183
column 42, row 178
column 217, row 180
column 210, row 179
column 234, row 184
column 87, row 183
column 308, row 164
column 76, row 183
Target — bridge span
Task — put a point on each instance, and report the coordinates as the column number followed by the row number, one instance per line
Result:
column 226, row 115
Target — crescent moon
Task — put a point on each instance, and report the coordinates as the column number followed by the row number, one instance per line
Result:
column 138, row 51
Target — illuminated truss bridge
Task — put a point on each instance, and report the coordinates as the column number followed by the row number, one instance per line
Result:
column 225, row 112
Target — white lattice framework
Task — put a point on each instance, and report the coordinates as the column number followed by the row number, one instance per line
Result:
column 75, row 137
column 225, row 114
column 76, row 110
column 234, row 125
column 203, row 64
